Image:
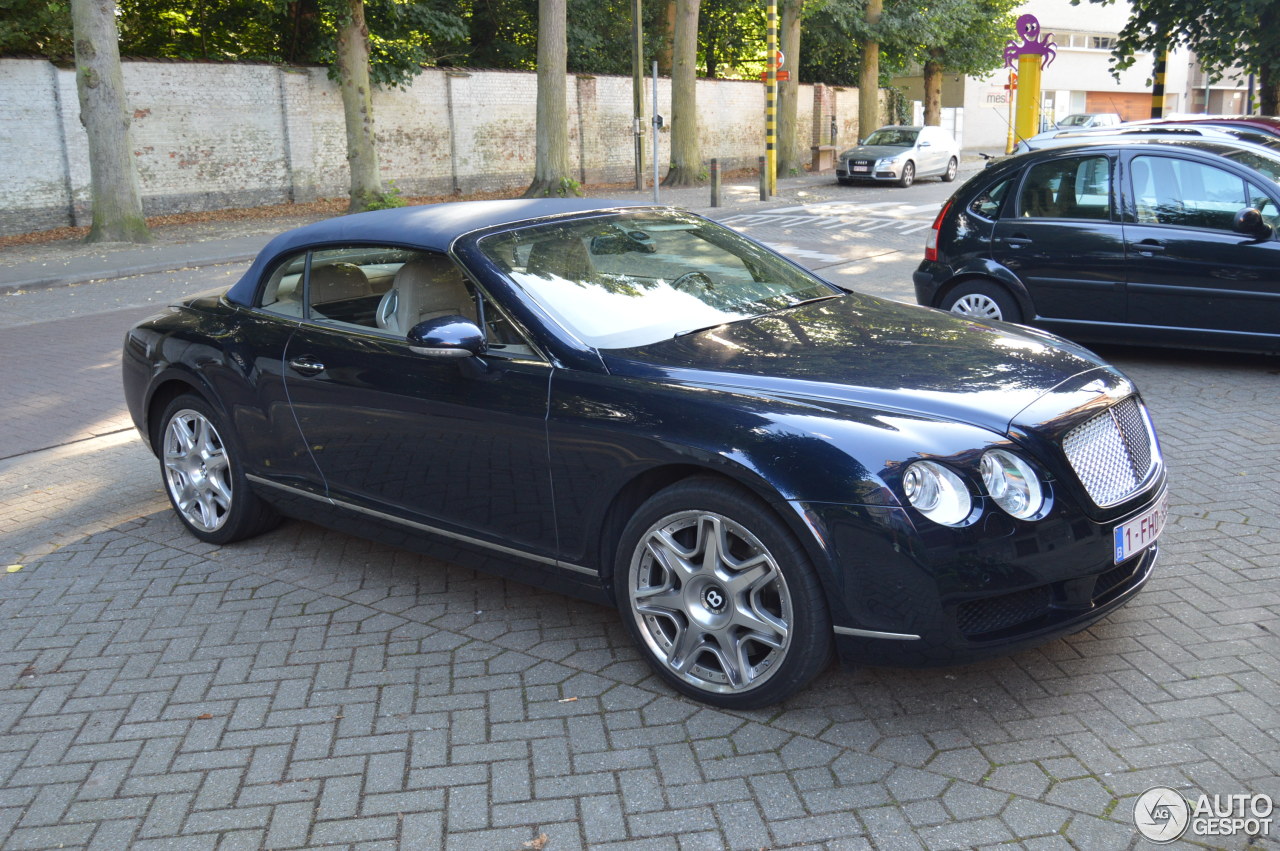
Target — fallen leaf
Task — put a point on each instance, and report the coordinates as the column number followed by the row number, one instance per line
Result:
column 537, row 843
column 204, row 716
column 13, row 568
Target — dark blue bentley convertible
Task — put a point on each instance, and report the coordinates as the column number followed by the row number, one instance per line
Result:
column 643, row 407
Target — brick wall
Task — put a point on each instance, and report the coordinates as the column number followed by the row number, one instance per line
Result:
column 210, row 136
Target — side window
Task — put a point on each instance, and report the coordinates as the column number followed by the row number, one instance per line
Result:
column 987, row 204
column 1262, row 202
column 1074, row 188
column 501, row 332
column 384, row 288
column 1169, row 191
column 283, row 292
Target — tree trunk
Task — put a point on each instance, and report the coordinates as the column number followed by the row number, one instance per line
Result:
column 551, row 159
column 686, row 158
column 668, row 38
column 790, row 151
column 116, row 196
column 869, row 77
column 357, row 108
column 933, row 93
column 1269, row 91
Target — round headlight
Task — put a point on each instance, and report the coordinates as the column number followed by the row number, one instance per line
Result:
column 1012, row 483
column 937, row 493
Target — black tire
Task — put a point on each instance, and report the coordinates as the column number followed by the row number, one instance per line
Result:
column 202, row 475
column 908, row 174
column 982, row 299
column 953, row 168
column 772, row 613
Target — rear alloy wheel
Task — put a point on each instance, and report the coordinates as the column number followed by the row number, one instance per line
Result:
column 908, row 175
column 203, row 478
column 982, row 300
column 950, row 174
column 720, row 597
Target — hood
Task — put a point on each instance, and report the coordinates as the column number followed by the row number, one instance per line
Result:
column 866, row 351
column 874, row 152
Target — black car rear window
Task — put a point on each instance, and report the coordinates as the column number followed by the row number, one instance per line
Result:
column 987, row 203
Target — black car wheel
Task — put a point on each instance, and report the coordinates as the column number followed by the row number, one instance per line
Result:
column 720, row 597
column 982, row 300
column 203, row 478
column 950, row 174
column 908, row 175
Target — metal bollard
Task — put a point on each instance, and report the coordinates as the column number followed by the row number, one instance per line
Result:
column 715, row 182
column 764, row 182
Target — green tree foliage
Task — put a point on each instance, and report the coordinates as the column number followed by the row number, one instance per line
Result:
column 963, row 36
column 731, row 38
column 1240, row 32
column 36, row 28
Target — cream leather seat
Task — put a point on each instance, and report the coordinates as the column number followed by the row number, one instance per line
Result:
column 338, row 282
column 424, row 289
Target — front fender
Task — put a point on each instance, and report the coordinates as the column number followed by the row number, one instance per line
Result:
column 608, row 432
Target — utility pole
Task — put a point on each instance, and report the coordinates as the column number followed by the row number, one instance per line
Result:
column 771, row 102
column 637, row 89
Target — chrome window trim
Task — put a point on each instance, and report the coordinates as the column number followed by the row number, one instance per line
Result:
column 872, row 633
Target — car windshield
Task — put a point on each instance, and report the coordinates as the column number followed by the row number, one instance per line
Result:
column 632, row 279
column 1074, row 121
column 893, row 137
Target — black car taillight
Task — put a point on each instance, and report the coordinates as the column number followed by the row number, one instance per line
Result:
column 931, row 242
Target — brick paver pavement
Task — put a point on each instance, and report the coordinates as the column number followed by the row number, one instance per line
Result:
column 310, row 689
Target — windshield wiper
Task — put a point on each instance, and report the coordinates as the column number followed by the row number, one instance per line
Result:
column 696, row 330
column 810, row 301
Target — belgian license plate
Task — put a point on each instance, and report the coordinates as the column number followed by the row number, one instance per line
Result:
column 1141, row 532
column 862, row 168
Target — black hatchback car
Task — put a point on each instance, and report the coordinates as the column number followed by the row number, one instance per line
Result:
column 1129, row 242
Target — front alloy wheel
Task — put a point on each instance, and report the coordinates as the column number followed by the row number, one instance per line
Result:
column 908, row 175
column 202, row 474
column 196, row 470
column 725, row 614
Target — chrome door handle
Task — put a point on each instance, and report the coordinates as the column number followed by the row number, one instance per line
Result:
column 306, row 366
column 1148, row 247
column 1017, row 241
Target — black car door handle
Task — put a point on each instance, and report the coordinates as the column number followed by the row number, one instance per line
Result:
column 1149, row 247
column 1017, row 241
column 306, row 365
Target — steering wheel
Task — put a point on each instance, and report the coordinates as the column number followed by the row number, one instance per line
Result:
column 694, row 282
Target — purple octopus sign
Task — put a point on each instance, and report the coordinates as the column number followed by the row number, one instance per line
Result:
column 1033, row 44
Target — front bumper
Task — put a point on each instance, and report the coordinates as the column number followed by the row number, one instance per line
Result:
column 954, row 596
column 877, row 172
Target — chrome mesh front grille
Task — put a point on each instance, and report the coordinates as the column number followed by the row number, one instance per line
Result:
column 1112, row 453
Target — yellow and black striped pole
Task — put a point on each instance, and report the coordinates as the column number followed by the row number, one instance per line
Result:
column 771, row 103
column 1157, row 89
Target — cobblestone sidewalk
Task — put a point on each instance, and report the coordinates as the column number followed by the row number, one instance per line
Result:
column 308, row 689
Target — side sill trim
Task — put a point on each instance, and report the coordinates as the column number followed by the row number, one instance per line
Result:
column 391, row 518
column 871, row 633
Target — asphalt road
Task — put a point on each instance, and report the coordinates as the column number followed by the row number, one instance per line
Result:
column 309, row 689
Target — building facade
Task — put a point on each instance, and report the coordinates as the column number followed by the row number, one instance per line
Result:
column 1079, row 78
